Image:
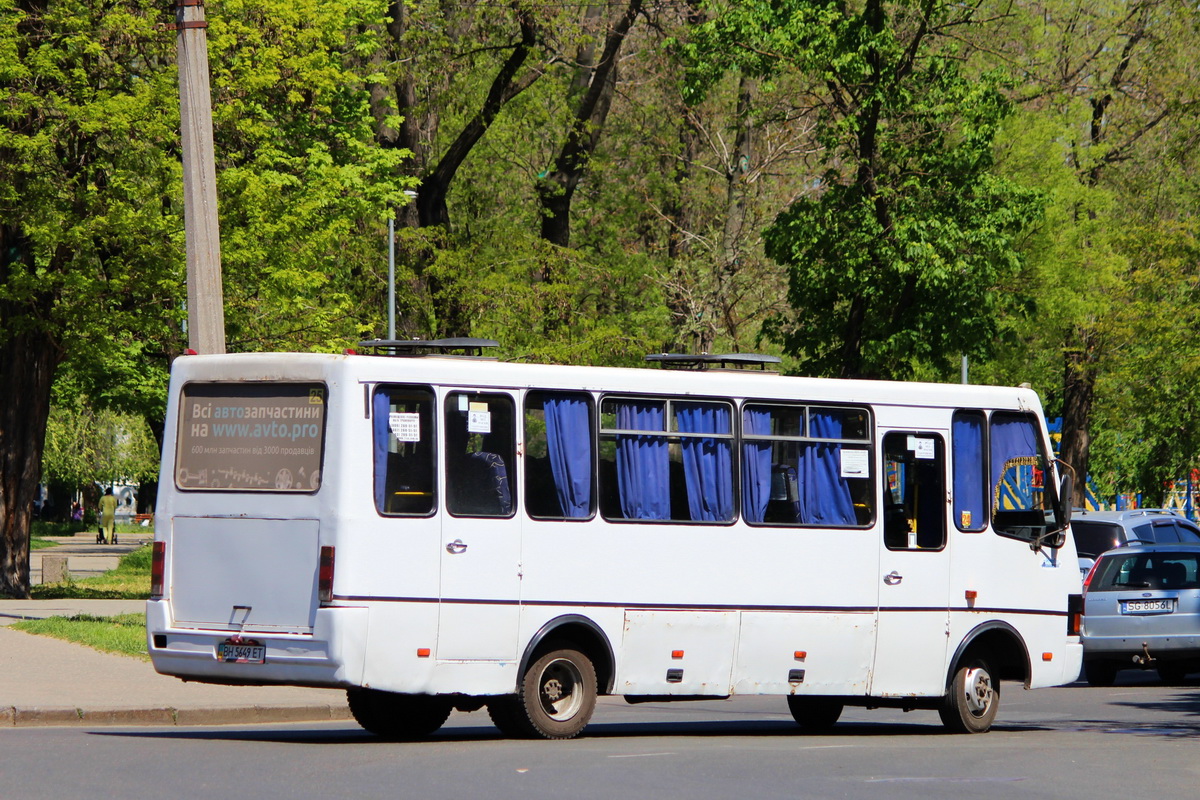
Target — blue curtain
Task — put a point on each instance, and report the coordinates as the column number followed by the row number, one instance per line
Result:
column 824, row 493
column 970, row 491
column 756, row 465
column 643, row 468
column 1014, row 441
column 380, row 427
column 569, row 441
column 707, row 462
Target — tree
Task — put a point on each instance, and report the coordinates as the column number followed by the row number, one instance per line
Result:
column 87, row 228
column 91, row 270
column 86, row 447
column 1110, row 80
column 893, row 256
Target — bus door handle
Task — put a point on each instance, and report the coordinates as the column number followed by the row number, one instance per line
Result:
column 893, row 578
column 456, row 547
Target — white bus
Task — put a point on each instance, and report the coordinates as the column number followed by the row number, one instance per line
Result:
column 435, row 532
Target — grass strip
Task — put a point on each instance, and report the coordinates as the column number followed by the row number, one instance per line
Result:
column 129, row 581
column 124, row 634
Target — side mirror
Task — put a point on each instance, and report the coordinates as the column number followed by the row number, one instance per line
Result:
column 1066, row 489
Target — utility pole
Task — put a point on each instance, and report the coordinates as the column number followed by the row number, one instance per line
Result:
column 205, row 300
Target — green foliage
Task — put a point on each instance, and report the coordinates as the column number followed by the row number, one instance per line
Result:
column 304, row 189
column 84, row 446
column 893, row 257
column 124, row 634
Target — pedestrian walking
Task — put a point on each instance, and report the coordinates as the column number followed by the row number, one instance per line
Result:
column 108, row 519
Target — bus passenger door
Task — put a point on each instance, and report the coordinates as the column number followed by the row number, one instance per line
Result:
column 914, row 567
column 481, row 533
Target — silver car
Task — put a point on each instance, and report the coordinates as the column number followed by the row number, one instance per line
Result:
column 1141, row 610
column 1097, row 531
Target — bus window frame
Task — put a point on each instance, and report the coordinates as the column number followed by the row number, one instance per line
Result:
column 985, row 467
column 593, row 427
column 1049, row 489
column 512, row 466
column 435, row 434
column 869, row 443
column 673, row 438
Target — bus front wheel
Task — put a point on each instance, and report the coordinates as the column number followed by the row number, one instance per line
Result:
column 397, row 716
column 555, row 700
column 973, row 700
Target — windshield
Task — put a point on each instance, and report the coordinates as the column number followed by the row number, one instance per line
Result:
column 1159, row 570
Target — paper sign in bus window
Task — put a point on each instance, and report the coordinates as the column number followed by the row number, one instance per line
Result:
column 855, row 464
column 921, row 447
column 479, row 419
column 405, row 426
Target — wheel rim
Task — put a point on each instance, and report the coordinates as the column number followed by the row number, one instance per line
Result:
column 558, row 689
column 978, row 690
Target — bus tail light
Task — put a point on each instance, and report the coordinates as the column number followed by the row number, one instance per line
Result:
column 158, row 568
column 325, row 576
column 1074, row 614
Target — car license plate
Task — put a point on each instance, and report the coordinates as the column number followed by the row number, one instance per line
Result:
column 1164, row 606
column 244, row 651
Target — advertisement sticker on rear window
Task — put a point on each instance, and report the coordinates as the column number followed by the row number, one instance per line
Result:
column 259, row 437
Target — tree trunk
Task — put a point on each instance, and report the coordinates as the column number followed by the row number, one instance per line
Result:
column 1079, row 386
column 678, row 213
column 27, row 363
column 558, row 187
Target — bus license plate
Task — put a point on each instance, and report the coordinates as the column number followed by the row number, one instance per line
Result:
column 1165, row 606
column 246, row 651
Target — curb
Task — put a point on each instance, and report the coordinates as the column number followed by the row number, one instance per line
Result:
column 12, row 716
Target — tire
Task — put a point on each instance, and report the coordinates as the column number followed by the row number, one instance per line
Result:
column 1099, row 673
column 814, row 714
column 973, row 700
column 555, row 700
column 1172, row 672
column 397, row 716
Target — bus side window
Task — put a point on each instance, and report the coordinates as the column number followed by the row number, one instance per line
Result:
column 666, row 459
column 559, row 478
column 1020, row 502
column 968, row 444
column 914, row 491
column 806, row 465
column 404, row 434
column 480, row 452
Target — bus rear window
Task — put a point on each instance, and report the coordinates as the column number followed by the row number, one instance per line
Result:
column 265, row 437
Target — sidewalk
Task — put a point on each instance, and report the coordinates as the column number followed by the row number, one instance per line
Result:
column 84, row 557
column 45, row 681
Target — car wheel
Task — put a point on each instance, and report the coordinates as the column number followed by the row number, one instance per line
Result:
column 973, row 700
column 1099, row 673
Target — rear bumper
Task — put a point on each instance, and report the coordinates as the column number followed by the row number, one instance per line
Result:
column 331, row 656
column 1107, row 647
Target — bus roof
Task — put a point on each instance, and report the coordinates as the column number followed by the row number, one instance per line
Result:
column 489, row 374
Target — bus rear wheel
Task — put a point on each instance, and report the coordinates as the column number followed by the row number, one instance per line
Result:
column 814, row 713
column 397, row 716
column 973, row 700
column 555, row 700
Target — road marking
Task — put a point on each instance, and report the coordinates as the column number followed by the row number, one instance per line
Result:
column 642, row 755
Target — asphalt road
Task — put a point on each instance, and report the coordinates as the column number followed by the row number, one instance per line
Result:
column 1135, row 740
